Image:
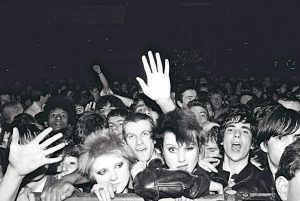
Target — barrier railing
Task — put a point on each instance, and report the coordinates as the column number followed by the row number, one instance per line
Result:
column 134, row 197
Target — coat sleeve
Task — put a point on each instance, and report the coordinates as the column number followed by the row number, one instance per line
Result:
column 157, row 183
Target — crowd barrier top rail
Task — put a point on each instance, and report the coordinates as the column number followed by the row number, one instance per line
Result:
column 134, row 197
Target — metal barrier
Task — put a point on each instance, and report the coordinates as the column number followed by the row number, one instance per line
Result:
column 134, row 197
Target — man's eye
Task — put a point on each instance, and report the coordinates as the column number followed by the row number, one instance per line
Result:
column 52, row 115
column 110, row 125
column 119, row 165
column 146, row 133
column 229, row 129
column 130, row 136
column 72, row 163
column 246, row 132
column 172, row 149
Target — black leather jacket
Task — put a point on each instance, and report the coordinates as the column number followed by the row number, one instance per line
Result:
column 245, row 181
column 266, row 184
column 157, row 182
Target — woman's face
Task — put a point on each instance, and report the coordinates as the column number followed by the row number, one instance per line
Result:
column 180, row 156
column 112, row 168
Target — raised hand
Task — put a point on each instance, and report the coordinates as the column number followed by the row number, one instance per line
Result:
column 158, row 86
column 158, row 81
column 26, row 158
column 97, row 69
column 104, row 191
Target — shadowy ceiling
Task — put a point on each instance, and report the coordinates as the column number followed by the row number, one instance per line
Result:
column 57, row 38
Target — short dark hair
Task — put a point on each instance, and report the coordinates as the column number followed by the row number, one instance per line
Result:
column 88, row 123
column 183, row 124
column 181, row 89
column 240, row 113
column 278, row 122
column 148, row 102
column 112, row 100
column 290, row 161
column 118, row 112
column 135, row 117
column 197, row 102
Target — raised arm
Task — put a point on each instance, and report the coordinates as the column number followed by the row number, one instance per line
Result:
column 102, row 78
column 23, row 159
column 158, row 86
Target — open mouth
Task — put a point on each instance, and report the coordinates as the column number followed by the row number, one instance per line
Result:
column 236, row 146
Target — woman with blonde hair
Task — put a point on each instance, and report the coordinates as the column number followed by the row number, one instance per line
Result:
column 106, row 159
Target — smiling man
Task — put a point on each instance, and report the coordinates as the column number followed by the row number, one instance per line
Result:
column 236, row 170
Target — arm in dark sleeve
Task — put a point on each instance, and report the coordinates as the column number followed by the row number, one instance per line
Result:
column 160, row 183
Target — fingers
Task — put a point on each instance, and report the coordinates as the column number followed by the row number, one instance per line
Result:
column 159, row 64
column 207, row 166
column 146, row 65
column 167, row 67
column 142, row 84
column 98, row 195
column 93, row 105
column 68, row 191
column 54, row 149
column 152, row 62
column 15, row 136
column 43, row 134
column 51, row 140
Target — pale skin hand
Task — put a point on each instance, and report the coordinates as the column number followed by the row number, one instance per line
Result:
column 23, row 159
column 206, row 164
column 104, row 191
column 97, row 69
column 90, row 106
column 138, row 167
column 59, row 192
column 216, row 187
column 158, row 86
column 26, row 158
column 25, row 194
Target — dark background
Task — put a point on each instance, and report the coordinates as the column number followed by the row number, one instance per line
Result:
column 44, row 40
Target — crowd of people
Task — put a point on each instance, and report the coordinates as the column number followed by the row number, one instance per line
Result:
column 156, row 138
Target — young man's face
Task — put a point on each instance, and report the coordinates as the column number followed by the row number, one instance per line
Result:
column 180, row 156
column 58, row 119
column 276, row 145
column 105, row 110
column 5, row 98
column 142, row 108
column 115, row 125
column 211, row 150
column 288, row 190
column 200, row 113
column 138, row 136
column 188, row 96
column 237, row 141
column 216, row 101
column 68, row 165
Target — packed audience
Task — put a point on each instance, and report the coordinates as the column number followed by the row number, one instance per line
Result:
column 155, row 138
